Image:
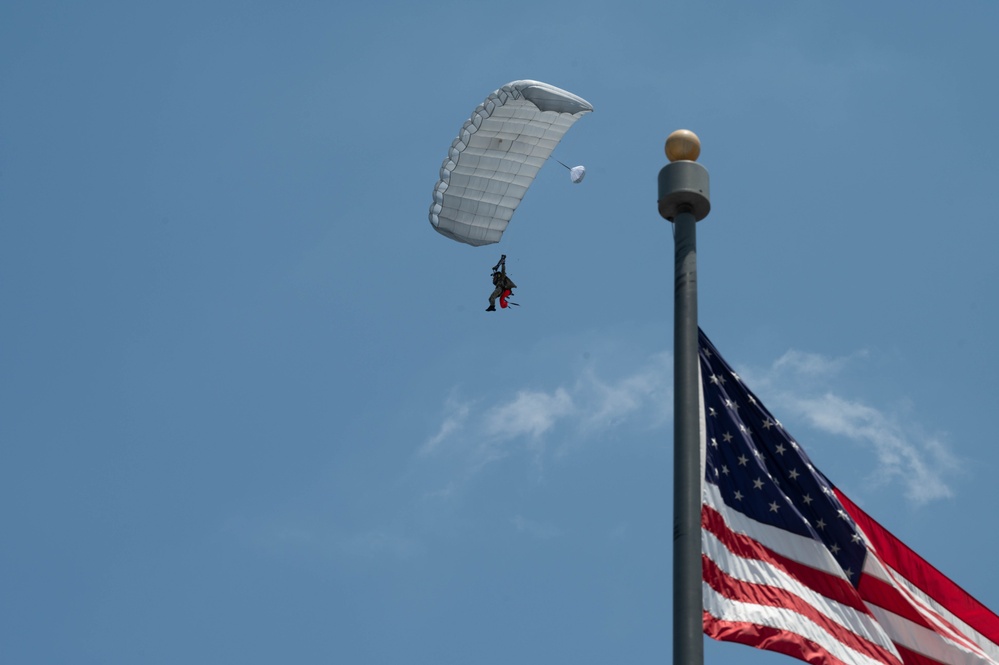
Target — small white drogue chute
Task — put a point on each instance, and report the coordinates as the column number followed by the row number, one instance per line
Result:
column 576, row 173
column 496, row 156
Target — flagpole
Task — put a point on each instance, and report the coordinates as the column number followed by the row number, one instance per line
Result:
column 684, row 200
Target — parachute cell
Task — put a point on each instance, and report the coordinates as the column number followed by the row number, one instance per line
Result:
column 496, row 156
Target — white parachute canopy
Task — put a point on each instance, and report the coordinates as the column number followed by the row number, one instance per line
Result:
column 496, row 156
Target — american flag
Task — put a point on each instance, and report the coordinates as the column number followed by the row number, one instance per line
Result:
column 791, row 565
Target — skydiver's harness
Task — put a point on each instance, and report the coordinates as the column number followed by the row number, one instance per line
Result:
column 507, row 292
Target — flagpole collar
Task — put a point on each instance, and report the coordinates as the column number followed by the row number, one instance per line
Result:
column 684, row 185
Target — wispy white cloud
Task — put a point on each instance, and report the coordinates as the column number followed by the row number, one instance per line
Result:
column 455, row 414
column 906, row 456
column 611, row 402
column 529, row 413
column 584, row 408
column 812, row 365
column 796, row 385
column 917, row 462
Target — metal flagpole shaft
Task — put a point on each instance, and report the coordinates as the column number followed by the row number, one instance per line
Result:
column 687, row 604
column 684, row 200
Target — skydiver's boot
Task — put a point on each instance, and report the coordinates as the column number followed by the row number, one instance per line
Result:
column 491, row 308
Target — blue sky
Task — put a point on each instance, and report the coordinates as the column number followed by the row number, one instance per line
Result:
column 253, row 410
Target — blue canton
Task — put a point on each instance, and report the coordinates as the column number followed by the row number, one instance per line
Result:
column 763, row 473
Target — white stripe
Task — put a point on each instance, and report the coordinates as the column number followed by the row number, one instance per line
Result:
column 900, row 630
column 931, row 609
column 726, row 609
column 925, row 641
column 798, row 548
column 987, row 645
column 760, row 572
column 874, row 567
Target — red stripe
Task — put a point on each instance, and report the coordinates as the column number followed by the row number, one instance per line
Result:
column 880, row 593
column 910, row 657
column 830, row 586
column 768, row 596
column 896, row 554
column 884, row 595
column 770, row 639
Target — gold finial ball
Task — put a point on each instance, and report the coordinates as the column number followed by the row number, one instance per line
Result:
column 683, row 144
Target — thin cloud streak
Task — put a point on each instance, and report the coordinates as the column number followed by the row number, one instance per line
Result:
column 903, row 458
column 648, row 387
column 529, row 413
column 456, row 413
column 795, row 385
column 587, row 407
column 905, row 455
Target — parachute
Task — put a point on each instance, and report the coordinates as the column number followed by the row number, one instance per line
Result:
column 496, row 156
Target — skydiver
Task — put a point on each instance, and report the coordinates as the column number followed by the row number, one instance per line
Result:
column 504, row 286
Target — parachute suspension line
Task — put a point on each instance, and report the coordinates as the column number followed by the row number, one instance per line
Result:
column 562, row 163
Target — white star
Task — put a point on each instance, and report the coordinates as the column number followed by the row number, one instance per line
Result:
column 834, row 548
column 712, row 412
column 758, row 484
column 849, row 573
column 780, row 449
column 726, row 437
column 767, row 424
column 856, row 538
column 738, row 495
column 743, row 460
column 807, row 499
column 793, row 474
column 724, row 469
column 718, row 380
column 714, row 442
column 821, row 524
column 774, row 507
